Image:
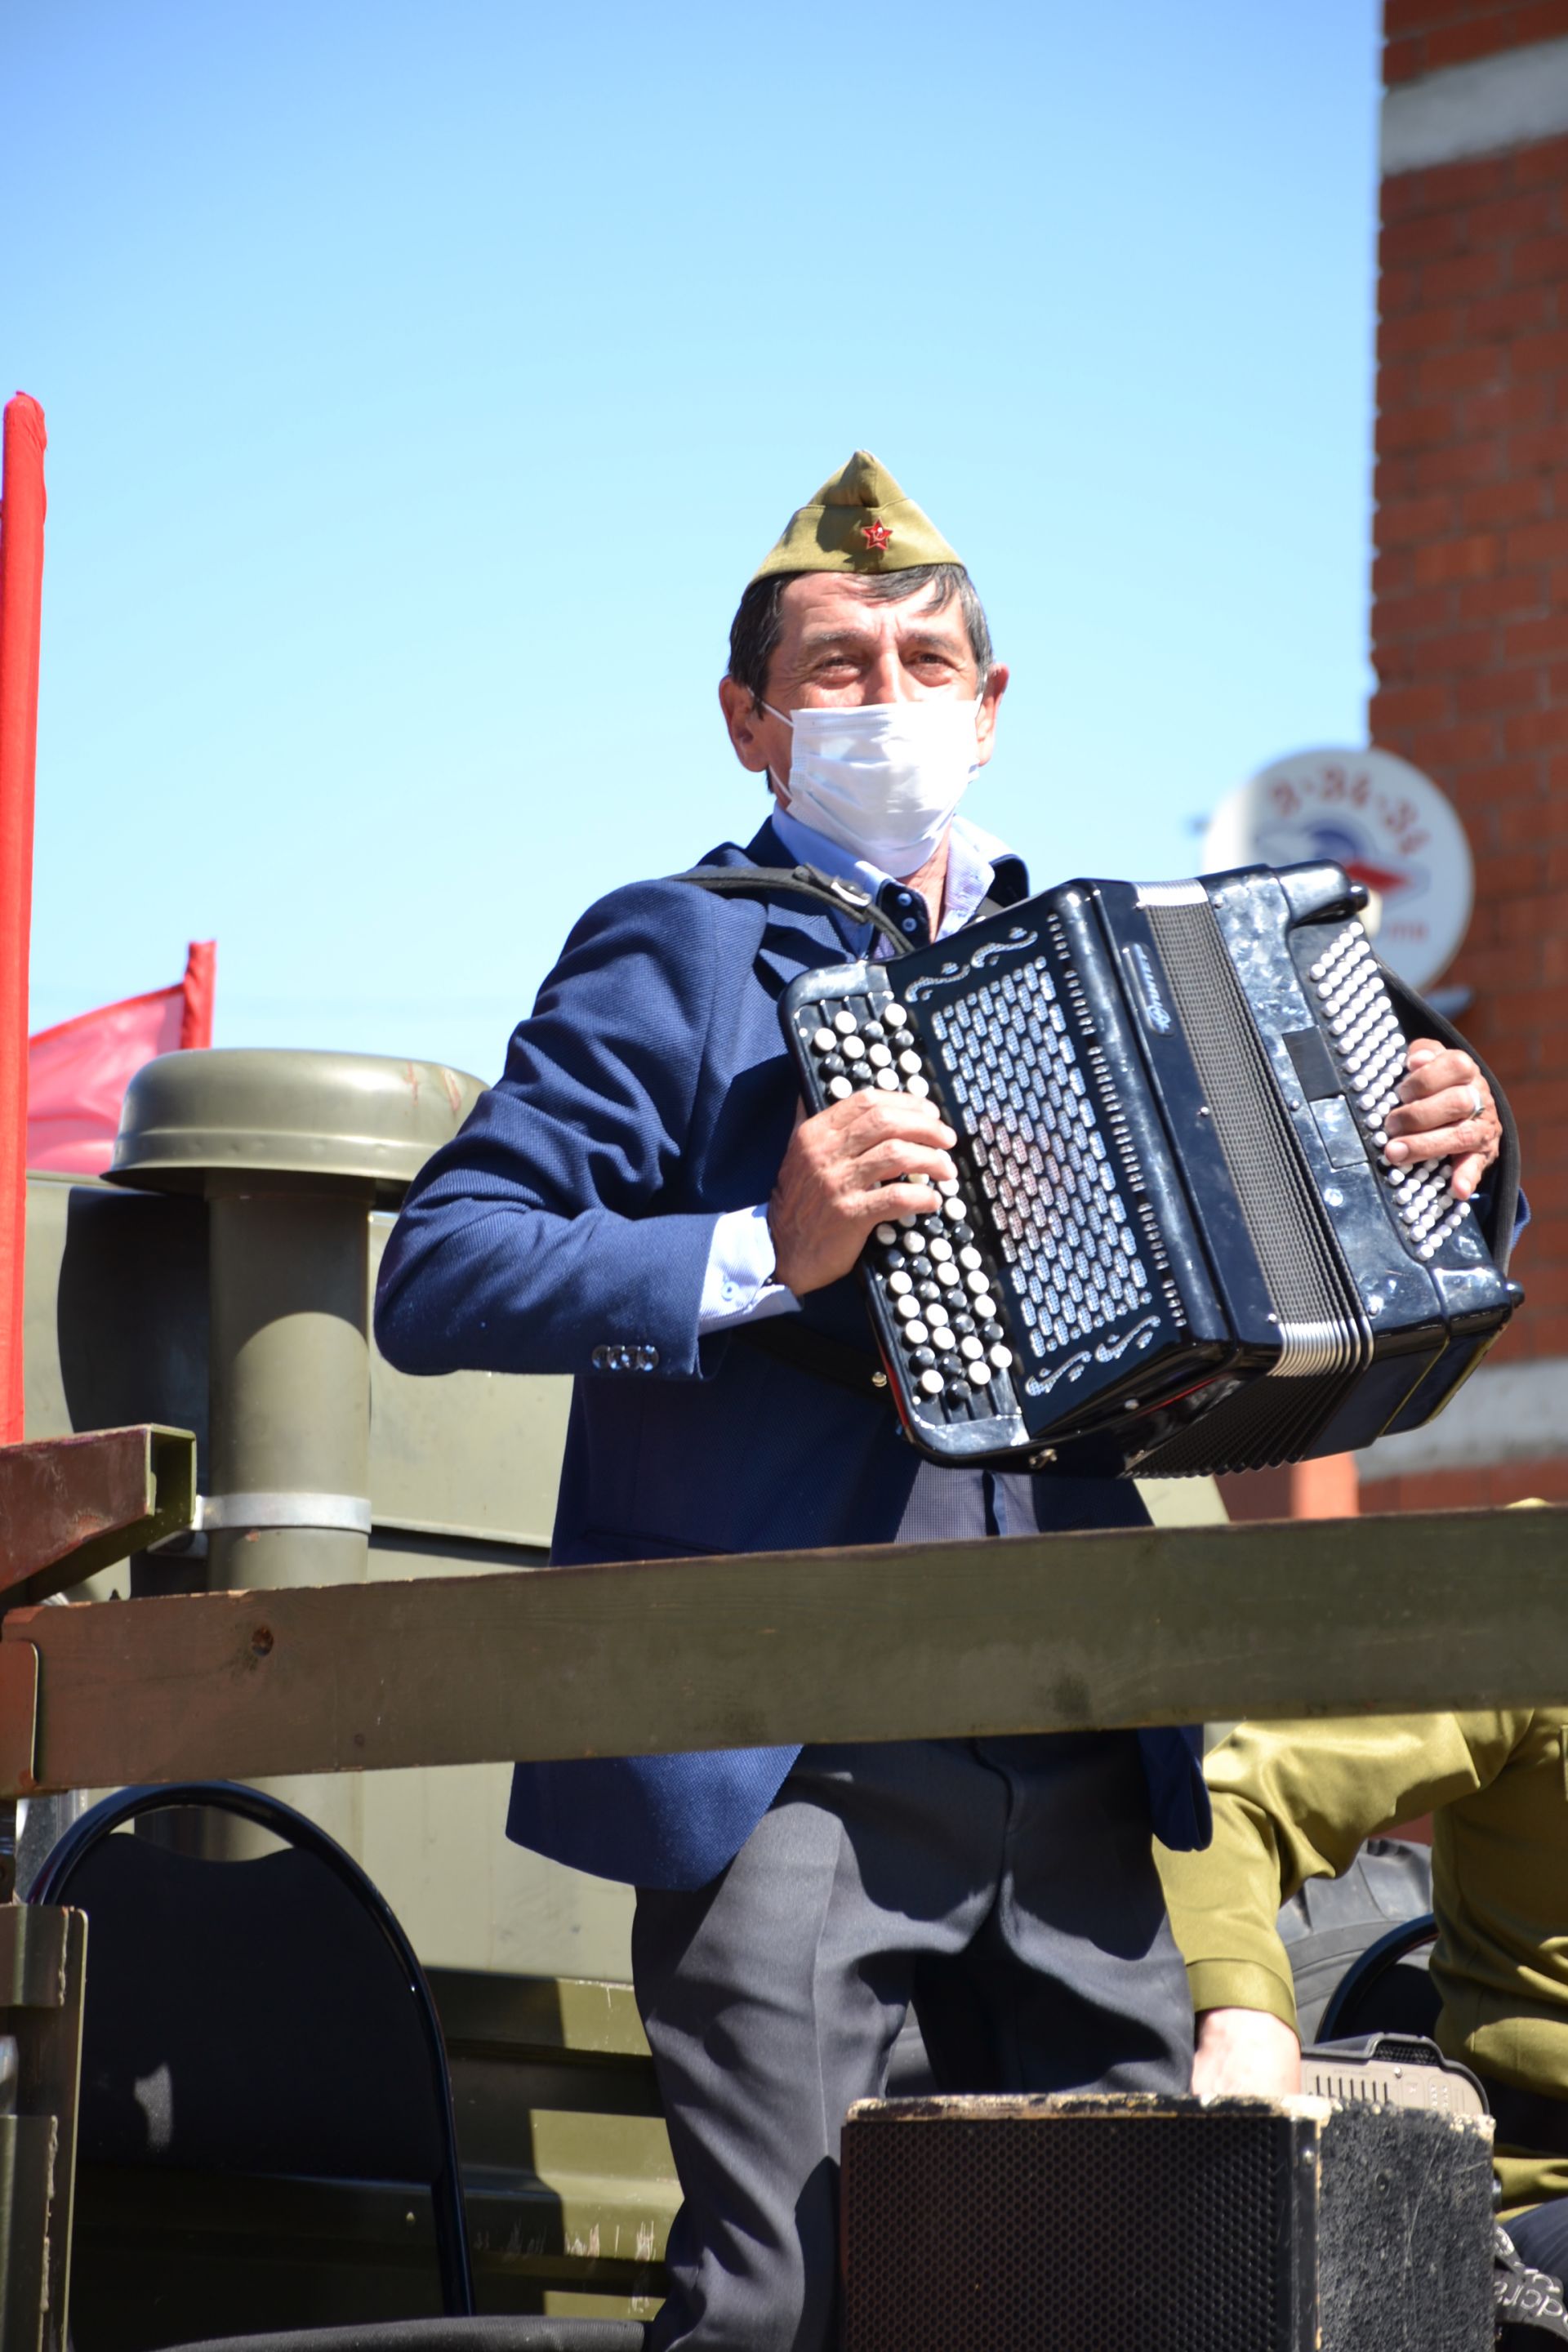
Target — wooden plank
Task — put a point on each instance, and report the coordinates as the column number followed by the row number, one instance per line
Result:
column 1031, row 1633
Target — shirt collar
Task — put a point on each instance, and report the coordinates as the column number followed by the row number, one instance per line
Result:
column 973, row 857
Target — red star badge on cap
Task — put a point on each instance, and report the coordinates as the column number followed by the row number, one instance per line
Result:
column 875, row 534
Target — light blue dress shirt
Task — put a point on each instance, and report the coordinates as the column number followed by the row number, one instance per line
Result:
column 738, row 1285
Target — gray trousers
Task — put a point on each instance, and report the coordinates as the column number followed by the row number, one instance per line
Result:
column 1005, row 1888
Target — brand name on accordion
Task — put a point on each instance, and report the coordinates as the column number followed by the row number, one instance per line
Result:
column 1156, row 1009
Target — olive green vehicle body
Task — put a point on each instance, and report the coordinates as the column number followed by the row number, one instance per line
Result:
column 391, row 1534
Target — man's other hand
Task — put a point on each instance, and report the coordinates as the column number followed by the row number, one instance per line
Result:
column 873, row 1156
column 1445, row 1111
column 1244, row 2053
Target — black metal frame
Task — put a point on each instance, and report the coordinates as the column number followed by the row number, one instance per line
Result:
column 1389, row 1950
column 52, row 1884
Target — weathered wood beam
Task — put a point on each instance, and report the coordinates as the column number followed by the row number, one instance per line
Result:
column 1032, row 1634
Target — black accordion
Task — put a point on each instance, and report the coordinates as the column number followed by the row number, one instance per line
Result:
column 1175, row 1245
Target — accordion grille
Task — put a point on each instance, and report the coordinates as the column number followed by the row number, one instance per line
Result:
column 1321, row 1327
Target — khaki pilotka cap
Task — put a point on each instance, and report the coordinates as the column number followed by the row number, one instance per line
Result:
column 859, row 520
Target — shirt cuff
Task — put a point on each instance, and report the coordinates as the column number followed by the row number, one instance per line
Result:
column 738, row 1285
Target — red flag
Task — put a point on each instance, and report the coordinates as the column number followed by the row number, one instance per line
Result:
column 78, row 1073
column 21, row 587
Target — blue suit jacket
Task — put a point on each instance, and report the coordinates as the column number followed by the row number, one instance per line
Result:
column 567, row 1230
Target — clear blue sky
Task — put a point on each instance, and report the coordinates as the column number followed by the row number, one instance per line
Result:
column 424, row 381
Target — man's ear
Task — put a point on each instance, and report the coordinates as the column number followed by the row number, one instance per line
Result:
column 742, row 718
column 985, row 717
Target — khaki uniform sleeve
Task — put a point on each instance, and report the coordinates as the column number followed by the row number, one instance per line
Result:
column 1294, row 1800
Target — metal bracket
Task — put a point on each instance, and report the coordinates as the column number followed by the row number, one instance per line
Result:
column 71, row 1505
column 347, row 1514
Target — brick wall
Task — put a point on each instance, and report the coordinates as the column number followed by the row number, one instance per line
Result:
column 1470, row 607
column 1423, row 36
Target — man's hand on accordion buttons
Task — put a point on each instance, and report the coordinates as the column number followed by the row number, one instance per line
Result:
column 848, row 1167
column 1445, row 1111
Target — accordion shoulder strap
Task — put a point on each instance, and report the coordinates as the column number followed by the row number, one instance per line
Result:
column 1424, row 1021
column 800, row 882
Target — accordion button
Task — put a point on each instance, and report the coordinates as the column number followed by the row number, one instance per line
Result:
column 914, row 1243
column 946, row 1274
column 930, row 1295
column 979, row 1374
column 941, row 1250
column 909, row 1064
column 976, row 1279
column 879, row 1056
column 846, row 1023
column 917, row 1086
column 825, row 1041
column 900, row 1285
column 907, row 1219
column 922, row 1357
column 948, row 1188
column 954, row 1212
column 907, row 1306
column 1001, row 1358
column 930, row 1384
column 853, row 1049
column 971, row 1348
column 894, row 1016
column 915, row 1334
column 840, row 1089
column 968, row 1258
column 887, row 1236
column 873, row 1033
column 888, row 1079
column 992, row 1331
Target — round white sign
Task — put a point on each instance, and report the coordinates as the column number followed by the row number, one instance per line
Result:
column 1385, row 822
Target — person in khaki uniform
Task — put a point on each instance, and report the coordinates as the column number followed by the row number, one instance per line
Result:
column 1293, row 1800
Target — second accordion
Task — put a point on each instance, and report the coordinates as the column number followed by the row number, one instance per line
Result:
column 1175, row 1245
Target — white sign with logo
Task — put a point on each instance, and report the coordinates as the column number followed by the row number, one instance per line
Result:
column 1385, row 822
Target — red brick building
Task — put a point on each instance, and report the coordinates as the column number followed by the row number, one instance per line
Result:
column 1469, row 643
column 1469, row 628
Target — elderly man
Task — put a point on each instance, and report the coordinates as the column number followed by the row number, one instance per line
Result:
column 639, row 1202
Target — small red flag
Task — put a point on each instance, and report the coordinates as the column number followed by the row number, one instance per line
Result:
column 77, row 1072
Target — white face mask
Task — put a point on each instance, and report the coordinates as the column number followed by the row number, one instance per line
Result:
column 882, row 779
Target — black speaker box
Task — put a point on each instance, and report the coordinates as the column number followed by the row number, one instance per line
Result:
column 1146, row 2224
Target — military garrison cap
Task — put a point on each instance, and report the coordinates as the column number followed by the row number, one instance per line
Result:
column 859, row 520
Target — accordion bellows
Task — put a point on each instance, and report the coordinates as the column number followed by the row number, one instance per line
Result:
column 1175, row 1245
